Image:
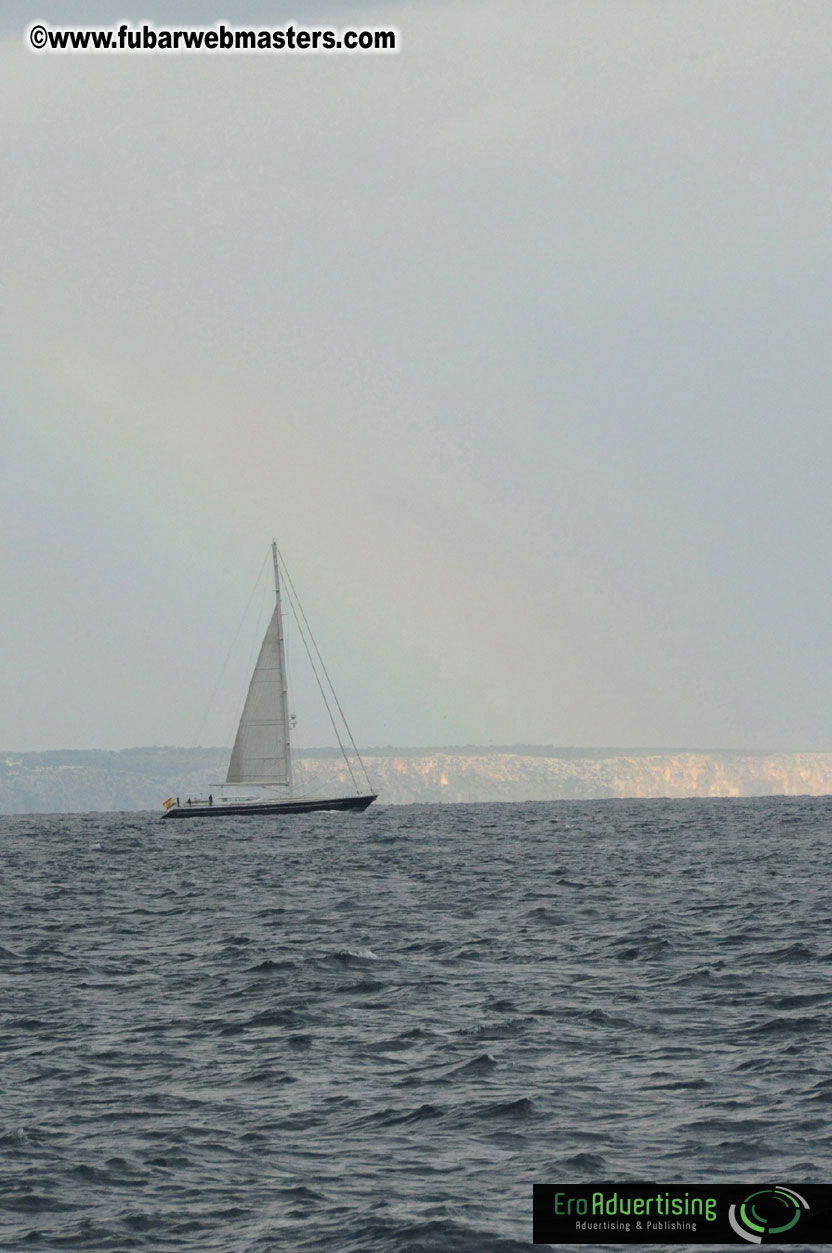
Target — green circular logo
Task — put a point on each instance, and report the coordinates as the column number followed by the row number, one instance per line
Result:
column 767, row 1214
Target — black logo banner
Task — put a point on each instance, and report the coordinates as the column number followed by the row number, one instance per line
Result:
column 682, row 1213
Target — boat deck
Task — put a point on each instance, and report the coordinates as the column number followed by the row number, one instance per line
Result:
column 288, row 806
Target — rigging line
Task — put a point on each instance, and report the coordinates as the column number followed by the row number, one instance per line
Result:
column 261, row 619
column 326, row 672
column 212, row 697
column 292, row 599
column 291, row 596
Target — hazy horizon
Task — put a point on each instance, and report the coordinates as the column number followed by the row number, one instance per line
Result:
column 519, row 747
column 516, row 339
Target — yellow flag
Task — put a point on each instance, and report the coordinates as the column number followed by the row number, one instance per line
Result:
column 170, row 801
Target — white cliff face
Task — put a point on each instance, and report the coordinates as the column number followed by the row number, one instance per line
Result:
column 62, row 782
column 503, row 775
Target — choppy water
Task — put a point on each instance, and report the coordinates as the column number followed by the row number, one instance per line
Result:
column 361, row 1033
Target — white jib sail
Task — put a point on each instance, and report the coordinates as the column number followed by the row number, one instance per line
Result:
column 261, row 752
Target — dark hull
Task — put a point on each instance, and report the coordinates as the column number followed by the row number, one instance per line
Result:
column 249, row 808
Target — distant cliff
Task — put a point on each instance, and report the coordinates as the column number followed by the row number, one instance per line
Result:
column 141, row 778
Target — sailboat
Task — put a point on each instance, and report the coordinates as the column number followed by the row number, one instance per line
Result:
column 262, row 753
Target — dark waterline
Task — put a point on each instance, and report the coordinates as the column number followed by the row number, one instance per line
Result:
column 375, row 1032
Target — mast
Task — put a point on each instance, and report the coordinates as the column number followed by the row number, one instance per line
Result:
column 282, row 651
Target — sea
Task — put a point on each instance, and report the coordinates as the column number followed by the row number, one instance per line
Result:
column 361, row 1033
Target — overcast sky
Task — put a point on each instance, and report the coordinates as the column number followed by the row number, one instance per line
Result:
column 518, row 340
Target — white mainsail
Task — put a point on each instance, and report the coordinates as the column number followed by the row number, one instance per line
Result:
column 261, row 752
